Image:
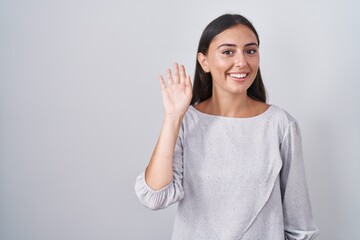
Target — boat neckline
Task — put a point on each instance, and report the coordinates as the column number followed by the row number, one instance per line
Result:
column 236, row 118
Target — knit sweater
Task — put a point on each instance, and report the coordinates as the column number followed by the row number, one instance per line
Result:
column 236, row 178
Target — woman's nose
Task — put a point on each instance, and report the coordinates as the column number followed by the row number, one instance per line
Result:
column 240, row 60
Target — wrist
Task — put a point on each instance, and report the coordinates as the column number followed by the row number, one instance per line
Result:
column 173, row 118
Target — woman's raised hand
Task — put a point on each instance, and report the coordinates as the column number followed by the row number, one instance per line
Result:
column 177, row 93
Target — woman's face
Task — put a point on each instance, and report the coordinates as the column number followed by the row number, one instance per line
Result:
column 232, row 59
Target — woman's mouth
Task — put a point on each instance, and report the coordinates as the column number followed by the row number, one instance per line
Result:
column 238, row 76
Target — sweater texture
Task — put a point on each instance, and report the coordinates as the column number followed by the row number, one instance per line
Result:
column 236, row 178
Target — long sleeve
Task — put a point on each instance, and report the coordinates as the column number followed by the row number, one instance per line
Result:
column 298, row 219
column 168, row 195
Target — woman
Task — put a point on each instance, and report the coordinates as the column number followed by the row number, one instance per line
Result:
column 233, row 162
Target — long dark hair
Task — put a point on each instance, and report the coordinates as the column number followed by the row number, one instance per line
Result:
column 202, row 88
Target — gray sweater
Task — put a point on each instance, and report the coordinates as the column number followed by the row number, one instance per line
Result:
column 237, row 178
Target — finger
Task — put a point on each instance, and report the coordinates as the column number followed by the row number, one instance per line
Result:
column 176, row 73
column 162, row 83
column 188, row 85
column 169, row 77
column 182, row 74
column 188, row 81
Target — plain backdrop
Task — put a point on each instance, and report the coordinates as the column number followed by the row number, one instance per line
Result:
column 81, row 110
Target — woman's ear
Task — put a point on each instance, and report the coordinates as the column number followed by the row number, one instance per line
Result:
column 202, row 59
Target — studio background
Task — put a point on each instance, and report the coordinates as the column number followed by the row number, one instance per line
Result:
column 81, row 110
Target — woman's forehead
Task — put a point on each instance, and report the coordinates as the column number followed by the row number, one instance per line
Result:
column 239, row 34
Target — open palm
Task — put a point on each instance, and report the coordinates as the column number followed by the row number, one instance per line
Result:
column 177, row 93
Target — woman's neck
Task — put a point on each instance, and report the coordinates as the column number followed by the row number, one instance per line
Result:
column 229, row 107
column 239, row 106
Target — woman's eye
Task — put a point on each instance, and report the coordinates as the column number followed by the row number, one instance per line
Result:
column 251, row 51
column 228, row 52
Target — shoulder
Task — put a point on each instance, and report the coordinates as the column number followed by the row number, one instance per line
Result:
column 191, row 119
column 281, row 114
column 284, row 120
column 193, row 116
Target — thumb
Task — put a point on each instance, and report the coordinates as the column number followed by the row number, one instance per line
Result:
column 188, row 85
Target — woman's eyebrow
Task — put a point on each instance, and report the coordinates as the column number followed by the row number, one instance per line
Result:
column 234, row 45
column 251, row 44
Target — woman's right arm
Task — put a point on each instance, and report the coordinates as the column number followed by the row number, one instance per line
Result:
column 159, row 172
column 176, row 94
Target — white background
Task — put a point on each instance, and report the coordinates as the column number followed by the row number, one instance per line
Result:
column 80, row 107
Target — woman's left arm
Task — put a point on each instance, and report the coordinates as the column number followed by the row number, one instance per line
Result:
column 298, row 218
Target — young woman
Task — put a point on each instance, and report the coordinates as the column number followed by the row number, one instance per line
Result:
column 233, row 162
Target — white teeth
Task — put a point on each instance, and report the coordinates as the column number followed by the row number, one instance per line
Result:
column 238, row 75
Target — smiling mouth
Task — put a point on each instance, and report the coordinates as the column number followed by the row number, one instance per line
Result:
column 238, row 76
